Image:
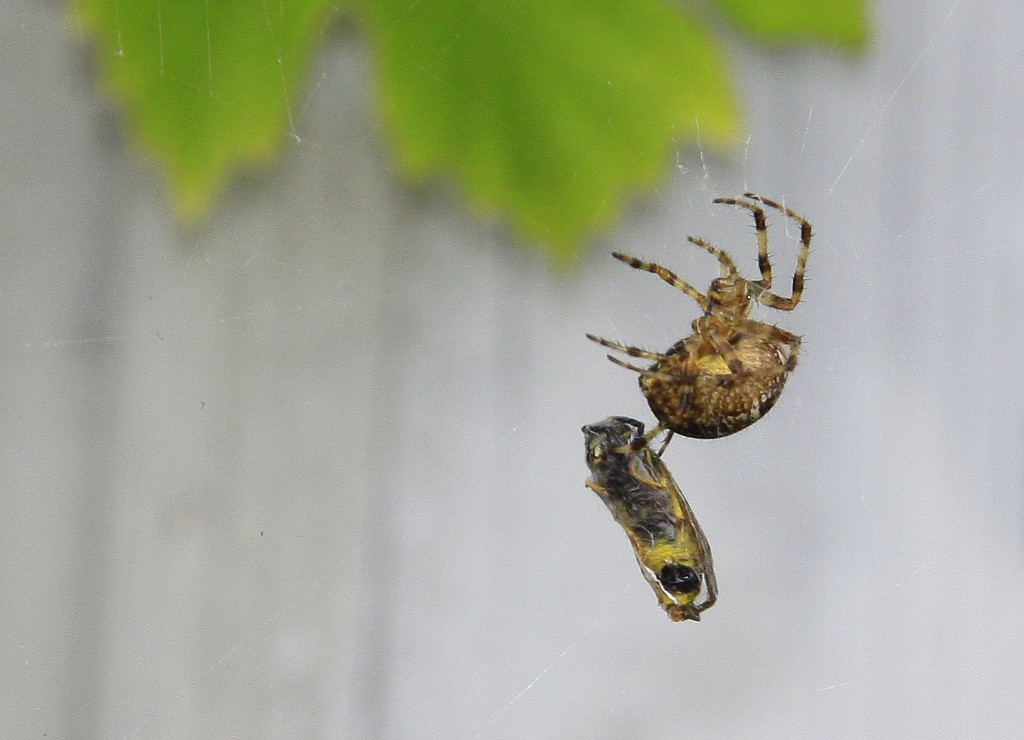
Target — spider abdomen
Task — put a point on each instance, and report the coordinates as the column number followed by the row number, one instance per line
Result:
column 693, row 392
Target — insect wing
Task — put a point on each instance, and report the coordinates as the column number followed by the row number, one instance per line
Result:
column 703, row 548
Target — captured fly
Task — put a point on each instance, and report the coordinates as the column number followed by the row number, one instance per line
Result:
column 669, row 544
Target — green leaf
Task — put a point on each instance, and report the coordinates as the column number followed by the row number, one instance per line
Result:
column 207, row 85
column 550, row 112
column 777, row 22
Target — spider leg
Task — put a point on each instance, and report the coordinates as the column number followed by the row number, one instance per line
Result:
column 644, row 371
column 794, row 350
column 649, row 436
column 773, row 300
column 638, row 444
column 668, row 438
column 728, row 266
column 631, row 351
column 727, row 353
column 774, row 333
column 710, row 334
column 732, row 378
column 622, row 363
column 723, row 379
column 761, row 226
column 665, row 274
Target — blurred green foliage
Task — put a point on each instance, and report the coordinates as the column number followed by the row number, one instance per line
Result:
column 836, row 22
column 205, row 86
column 546, row 113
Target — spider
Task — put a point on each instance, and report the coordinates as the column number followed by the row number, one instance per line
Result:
column 730, row 371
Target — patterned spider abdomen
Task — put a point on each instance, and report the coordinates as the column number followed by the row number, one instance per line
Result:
column 693, row 392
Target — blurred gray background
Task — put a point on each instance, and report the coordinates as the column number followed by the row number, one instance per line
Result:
column 315, row 469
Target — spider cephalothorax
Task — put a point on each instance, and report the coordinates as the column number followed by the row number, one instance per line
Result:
column 730, row 371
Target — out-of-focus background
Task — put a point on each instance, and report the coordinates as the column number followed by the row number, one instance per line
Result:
column 315, row 469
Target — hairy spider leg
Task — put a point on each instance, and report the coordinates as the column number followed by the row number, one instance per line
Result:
column 725, row 351
column 728, row 266
column 665, row 274
column 632, row 352
column 627, row 349
column 642, row 370
column 622, row 363
column 773, row 300
column 727, row 379
column 755, row 328
column 664, row 446
column 761, row 226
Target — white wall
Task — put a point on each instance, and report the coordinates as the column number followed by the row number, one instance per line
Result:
column 315, row 469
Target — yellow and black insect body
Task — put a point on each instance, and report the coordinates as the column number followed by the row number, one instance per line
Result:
column 638, row 489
